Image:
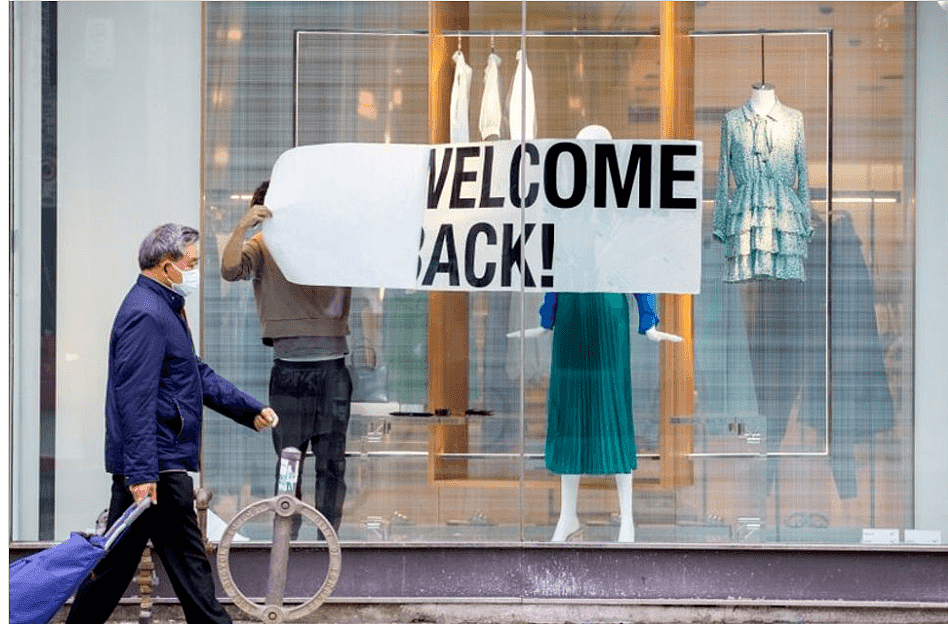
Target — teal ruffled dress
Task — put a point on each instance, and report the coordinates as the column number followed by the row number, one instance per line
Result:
column 765, row 223
column 589, row 405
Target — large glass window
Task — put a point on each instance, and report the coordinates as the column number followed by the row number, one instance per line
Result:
column 798, row 421
column 801, row 430
column 105, row 139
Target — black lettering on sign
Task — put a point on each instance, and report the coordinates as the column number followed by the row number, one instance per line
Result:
column 421, row 244
column 461, row 176
column 534, row 188
column 444, row 243
column 546, row 241
column 486, row 176
column 640, row 163
column 670, row 175
column 434, row 190
column 550, row 186
column 490, row 268
column 511, row 254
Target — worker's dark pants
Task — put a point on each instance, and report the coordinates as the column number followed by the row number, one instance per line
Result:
column 312, row 400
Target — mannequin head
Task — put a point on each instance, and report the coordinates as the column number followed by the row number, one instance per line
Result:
column 595, row 132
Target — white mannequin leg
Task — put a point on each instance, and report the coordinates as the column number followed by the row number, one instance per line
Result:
column 569, row 520
column 626, row 523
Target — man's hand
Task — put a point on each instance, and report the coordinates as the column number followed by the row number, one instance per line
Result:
column 141, row 490
column 256, row 214
column 266, row 418
column 231, row 254
column 656, row 336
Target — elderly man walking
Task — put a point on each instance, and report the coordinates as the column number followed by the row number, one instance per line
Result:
column 153, row 408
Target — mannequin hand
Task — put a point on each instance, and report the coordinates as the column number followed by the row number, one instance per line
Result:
column 266, row 418
column 533, row 332
column 656, row 336
column 256, row 214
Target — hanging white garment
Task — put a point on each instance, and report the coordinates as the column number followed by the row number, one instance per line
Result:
column 522, row 111
column 461, row 100
column 491, row 113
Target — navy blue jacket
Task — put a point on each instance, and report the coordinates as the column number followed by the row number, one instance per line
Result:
column 157, row 386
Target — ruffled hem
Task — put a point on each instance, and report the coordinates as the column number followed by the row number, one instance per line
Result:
column 765, row 204
column 763, row 265
column 766, row 242
column 772, row 241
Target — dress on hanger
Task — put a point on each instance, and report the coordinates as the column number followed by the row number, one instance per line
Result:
column 491, row 115
column 765, row 223
column 460, row 100
column 589, row 405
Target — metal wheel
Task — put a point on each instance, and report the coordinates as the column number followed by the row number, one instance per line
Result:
column 283, row 505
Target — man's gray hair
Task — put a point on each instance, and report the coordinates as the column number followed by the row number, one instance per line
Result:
column 166, row 241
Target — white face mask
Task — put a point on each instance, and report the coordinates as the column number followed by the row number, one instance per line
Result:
column 190, row 282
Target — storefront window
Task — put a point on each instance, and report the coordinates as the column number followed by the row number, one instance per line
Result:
column 796, row 424
column 801, row 386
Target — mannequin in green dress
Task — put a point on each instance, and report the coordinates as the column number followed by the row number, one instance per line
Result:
column 589, row 406
column 589, row 409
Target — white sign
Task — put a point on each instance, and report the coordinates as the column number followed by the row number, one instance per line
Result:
column 572, row 215
column 347, row 214
column 918, row 536
column 880, row 536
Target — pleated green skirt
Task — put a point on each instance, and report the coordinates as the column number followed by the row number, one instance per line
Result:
column 589, row 406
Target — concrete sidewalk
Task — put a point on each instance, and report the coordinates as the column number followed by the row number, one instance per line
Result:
column 550, row 613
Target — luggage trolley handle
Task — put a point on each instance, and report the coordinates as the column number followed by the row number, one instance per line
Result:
column 125, row 521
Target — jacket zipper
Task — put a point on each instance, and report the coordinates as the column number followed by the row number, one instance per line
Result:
column 180, row 419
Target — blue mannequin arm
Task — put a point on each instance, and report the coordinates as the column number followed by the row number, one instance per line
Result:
column 548, row 311
column 647, row 316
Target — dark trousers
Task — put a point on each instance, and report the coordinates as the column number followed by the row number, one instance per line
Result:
column 312, row 400
column 173, row 529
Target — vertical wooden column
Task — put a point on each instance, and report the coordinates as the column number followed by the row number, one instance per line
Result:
column 677, row 360
column 447, row 312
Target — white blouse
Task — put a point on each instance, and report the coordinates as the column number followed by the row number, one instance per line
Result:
column 522, row 113
column 491, row 114
column 461, row 100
